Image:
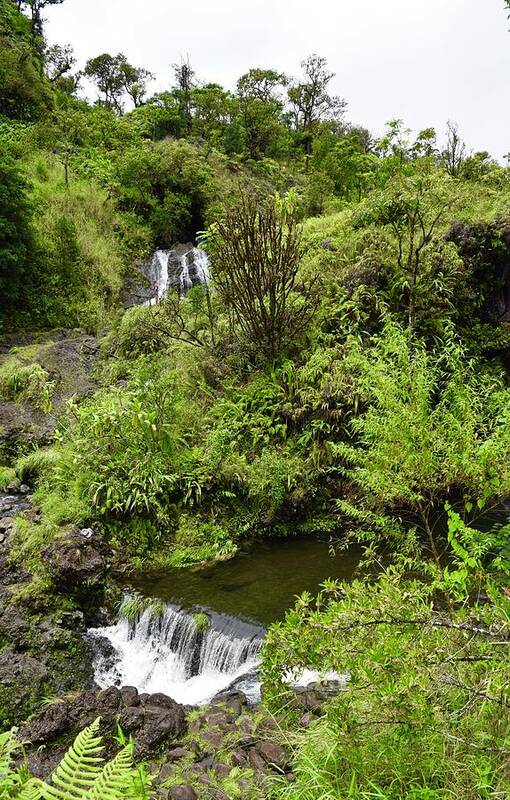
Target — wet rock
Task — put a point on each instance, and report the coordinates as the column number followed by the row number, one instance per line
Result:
column 53, row 721
column 222, row 770
column 7, row 523
column 24, row 489
column 129, row 696
column 212, row 740
column 273, row 754
column 308, row 700
column 233, row 700
column 160, row 700
column 13, row 625
column 158, row 725
column 22, row 678
column 72, row 561
column 132, row 719
column 239, row 758
column 177, row 753
column 182, row 793
column 109, row 698
column 256, row 761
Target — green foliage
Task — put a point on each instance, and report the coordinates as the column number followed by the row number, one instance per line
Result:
column 26, row 382
column 424, row 710
column 7, row 478
column 36, row 466
column 24, row 92
column 168, row 185
column 17, row 246
column 82, row 772
column 431, row 428
column 201, row 621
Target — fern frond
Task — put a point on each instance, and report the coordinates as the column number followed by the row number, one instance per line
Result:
column 7, row 745
column 31, row 790
column 115, row 778
column 79, row 768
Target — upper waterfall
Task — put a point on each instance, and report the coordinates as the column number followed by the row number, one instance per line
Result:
column 179, row 269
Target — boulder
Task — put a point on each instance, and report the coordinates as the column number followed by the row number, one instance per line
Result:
column 53, row 721
column 129, row 696
column 158, row 725
column 132, row 719
column 72, row 561
column 160, row 700
column 257, row 763
column 239, row 758
column 109, row 698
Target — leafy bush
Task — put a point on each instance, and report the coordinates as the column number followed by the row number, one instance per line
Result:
column 424, row 712
column 431, row 428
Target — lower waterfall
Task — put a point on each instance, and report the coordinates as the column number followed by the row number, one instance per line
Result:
column 169, row 653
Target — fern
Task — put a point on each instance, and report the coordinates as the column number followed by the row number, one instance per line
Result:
column 31, row 791
column 116, row 777
column 81, row 775
column 7, row 746
column 79, row 768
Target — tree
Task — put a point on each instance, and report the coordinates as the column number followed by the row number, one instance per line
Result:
column 421, row 277
column 16, row 233
column 310, row 101
column 343, row 161
column 454, row 153
column 185, row 78
column 24, row 92
column 36, row 7
column 214, row 117
column 256, row 250
column 59, row 60
column 114, row 76
column 260, row 108
column 135, row 81
column 106, row 72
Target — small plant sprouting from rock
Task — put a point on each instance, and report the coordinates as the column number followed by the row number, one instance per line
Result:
column 202, row 621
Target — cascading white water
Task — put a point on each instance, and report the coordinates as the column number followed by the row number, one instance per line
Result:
column 168, row 654
column 180, row 269
column 194, row 269
column 157, row 273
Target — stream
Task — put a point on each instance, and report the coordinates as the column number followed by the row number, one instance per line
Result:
column 165, row 650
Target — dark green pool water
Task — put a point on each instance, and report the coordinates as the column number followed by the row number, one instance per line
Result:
column 258, row 585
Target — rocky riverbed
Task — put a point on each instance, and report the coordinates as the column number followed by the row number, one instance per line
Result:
column 225, row 749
